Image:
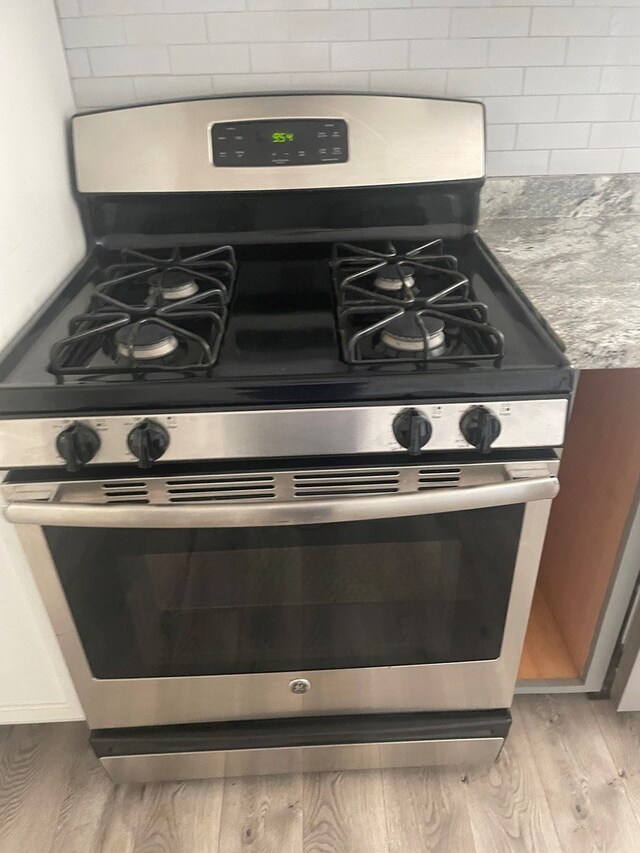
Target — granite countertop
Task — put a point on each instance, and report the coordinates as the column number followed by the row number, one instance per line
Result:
column 573, row 246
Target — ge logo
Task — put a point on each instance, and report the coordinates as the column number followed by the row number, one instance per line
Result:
column 299, row 685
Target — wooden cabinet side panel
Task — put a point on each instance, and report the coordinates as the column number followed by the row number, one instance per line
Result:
column 599, row 477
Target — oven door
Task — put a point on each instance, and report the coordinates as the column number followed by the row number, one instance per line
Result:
column 183, row 601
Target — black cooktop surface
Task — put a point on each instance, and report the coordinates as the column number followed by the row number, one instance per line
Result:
column 277, row 335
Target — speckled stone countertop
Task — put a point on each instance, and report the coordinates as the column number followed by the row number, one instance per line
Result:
column 573, row 246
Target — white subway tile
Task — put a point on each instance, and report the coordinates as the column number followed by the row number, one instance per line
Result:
column 605, row 2
column 103, row 92
column 369, row 56
column 91, row 32
column 448, row 53
column 330, row 81
column 129, row 60
column 489, row 23
column 166, row 87
column 594, row 107
column 120, row 7
column 494, row 3
column 625, row 22
column 232, row 84
column 522, row 109
column 414, row 82
column 409, row 23
column 529, row 3
column 78, row 62
column 247, row 26
column 209, row 58
column 561, row 81
column 484, row 81
column 590, row 161
column 604, row 51
column 501, row 137
column 373, row 4
column 615, row 134
column 566, row 21
column 456, row 3
column 554, row 135
column 328, row 26
column 527, row 51
column 289, row 57
column 67, row 8
column 204, row 5
column 517, row 162
column 620, row 79
column 165, row 29
column 556, row 76
column 287, row 4
column 630, row 160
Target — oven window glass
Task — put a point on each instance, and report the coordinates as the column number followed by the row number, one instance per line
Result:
column 390, row 592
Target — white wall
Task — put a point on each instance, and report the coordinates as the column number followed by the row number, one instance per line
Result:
column 40, row 241
column 560, row 78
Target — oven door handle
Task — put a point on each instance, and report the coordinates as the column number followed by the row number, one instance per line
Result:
column 277, row 514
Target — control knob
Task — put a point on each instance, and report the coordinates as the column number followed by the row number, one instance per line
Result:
column 148, row 441
column 412, row 430
column 77, row 445
column 480, row 427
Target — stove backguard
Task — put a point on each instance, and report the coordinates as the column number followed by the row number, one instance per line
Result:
column 152, row 220
column 147, row 175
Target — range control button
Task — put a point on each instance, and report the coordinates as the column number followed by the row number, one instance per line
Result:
column 412, row 430
column 480, row 427
column 148, row 441
column 77, row 445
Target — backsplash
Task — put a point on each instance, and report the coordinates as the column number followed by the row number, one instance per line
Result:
column 560, row 78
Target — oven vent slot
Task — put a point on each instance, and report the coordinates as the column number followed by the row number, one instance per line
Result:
column 233, row 487
column 125, row 492
column 438, row 478
column 325, row 484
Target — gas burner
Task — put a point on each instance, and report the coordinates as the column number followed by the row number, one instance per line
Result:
column 379, row 334
column 392, row 277
column 387, row 276
column 151, row 314
column 138, row 281
column 145, row 342
column 174, row 284
column 409, row 306
column 409, row 333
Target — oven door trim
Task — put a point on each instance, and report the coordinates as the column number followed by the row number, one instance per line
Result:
column 465, row 685
column 283, row 513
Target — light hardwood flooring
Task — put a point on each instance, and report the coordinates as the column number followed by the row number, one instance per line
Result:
column 568, row 780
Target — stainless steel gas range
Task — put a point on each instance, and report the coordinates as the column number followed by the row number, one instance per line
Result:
column 282, row 449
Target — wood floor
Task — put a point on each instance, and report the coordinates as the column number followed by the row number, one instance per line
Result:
column 567, row 780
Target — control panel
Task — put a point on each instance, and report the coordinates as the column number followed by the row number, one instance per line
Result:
column 279, row 142
column 332, row 431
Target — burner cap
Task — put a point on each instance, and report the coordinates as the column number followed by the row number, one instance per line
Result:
column 174, row 284
column 392, row 277
column 405, row 334
column 148, row 341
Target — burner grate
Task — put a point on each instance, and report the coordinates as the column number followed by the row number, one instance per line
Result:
column 138, row 295
column 430, row 288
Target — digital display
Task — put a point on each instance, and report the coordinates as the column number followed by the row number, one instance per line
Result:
column 279, row 142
